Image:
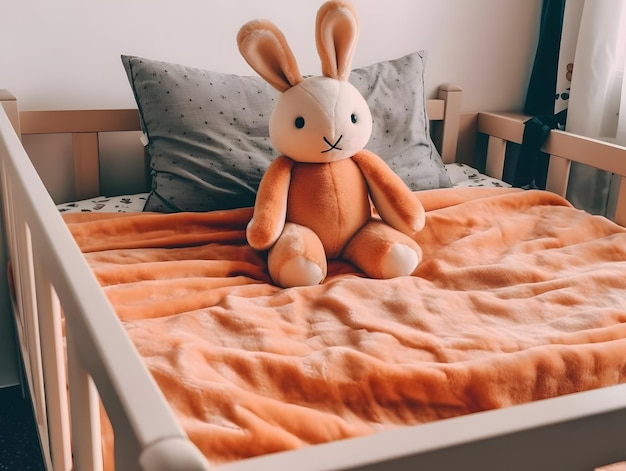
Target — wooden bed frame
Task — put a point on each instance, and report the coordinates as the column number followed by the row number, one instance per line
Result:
column 49, row 276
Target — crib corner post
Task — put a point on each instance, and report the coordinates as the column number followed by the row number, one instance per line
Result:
column 9, row 103
column 451, row 94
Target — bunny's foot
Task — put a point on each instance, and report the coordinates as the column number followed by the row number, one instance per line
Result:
column 381, row 251
column 400, row 260
column 297, row 258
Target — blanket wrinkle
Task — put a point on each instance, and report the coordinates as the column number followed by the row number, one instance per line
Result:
column 519, row 297
column 122, row 230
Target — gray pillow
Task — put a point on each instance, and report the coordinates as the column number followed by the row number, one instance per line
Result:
column 208, row 138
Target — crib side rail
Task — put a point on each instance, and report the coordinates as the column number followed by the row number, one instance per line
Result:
column 103, row 364
column 563, row 148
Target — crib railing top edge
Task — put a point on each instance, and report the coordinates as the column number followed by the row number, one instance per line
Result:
column 76, row 121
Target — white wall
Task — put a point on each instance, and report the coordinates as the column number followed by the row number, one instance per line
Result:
column 65, row 53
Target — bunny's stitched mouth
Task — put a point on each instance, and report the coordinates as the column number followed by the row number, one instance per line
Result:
column 332, row 146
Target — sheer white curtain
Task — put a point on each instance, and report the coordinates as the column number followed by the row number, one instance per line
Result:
column 597, row 97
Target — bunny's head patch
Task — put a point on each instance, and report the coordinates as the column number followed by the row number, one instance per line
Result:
column 320, row 118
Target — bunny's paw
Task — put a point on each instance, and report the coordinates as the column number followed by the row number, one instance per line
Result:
column 297, row 258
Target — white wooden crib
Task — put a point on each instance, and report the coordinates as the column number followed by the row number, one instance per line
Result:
column 90, row 357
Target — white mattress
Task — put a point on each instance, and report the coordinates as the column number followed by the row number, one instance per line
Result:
column 461, row 175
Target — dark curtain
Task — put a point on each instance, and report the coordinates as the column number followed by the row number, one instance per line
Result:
column 532, row 165
column 542, row 86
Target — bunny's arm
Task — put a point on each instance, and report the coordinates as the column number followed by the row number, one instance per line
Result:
column 394, row 201
column 270, row 207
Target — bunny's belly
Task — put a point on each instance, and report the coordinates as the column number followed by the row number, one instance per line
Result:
column 331, row 199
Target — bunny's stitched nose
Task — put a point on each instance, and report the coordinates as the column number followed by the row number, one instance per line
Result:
column 332, row 146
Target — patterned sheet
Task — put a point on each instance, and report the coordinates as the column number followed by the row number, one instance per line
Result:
column 461, row 175
column 106, row 204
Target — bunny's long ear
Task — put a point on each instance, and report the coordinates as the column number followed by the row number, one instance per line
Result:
column 265, row 48
column 336, row 35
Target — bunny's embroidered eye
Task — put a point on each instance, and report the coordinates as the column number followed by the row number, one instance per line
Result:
column 353, row 118
column 299, row 122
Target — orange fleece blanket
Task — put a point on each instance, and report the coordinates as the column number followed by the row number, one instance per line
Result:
column 519, row 297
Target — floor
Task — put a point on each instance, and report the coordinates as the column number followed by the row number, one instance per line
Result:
column 19, row 444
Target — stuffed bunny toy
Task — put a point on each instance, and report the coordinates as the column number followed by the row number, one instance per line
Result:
column 313, row 202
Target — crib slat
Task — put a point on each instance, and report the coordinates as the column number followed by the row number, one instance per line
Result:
column 558, row 175
column 85, row 414
column 620, row 208
column 86, row 165
column 49, row 315
column 30, row 323
column 496, row 150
